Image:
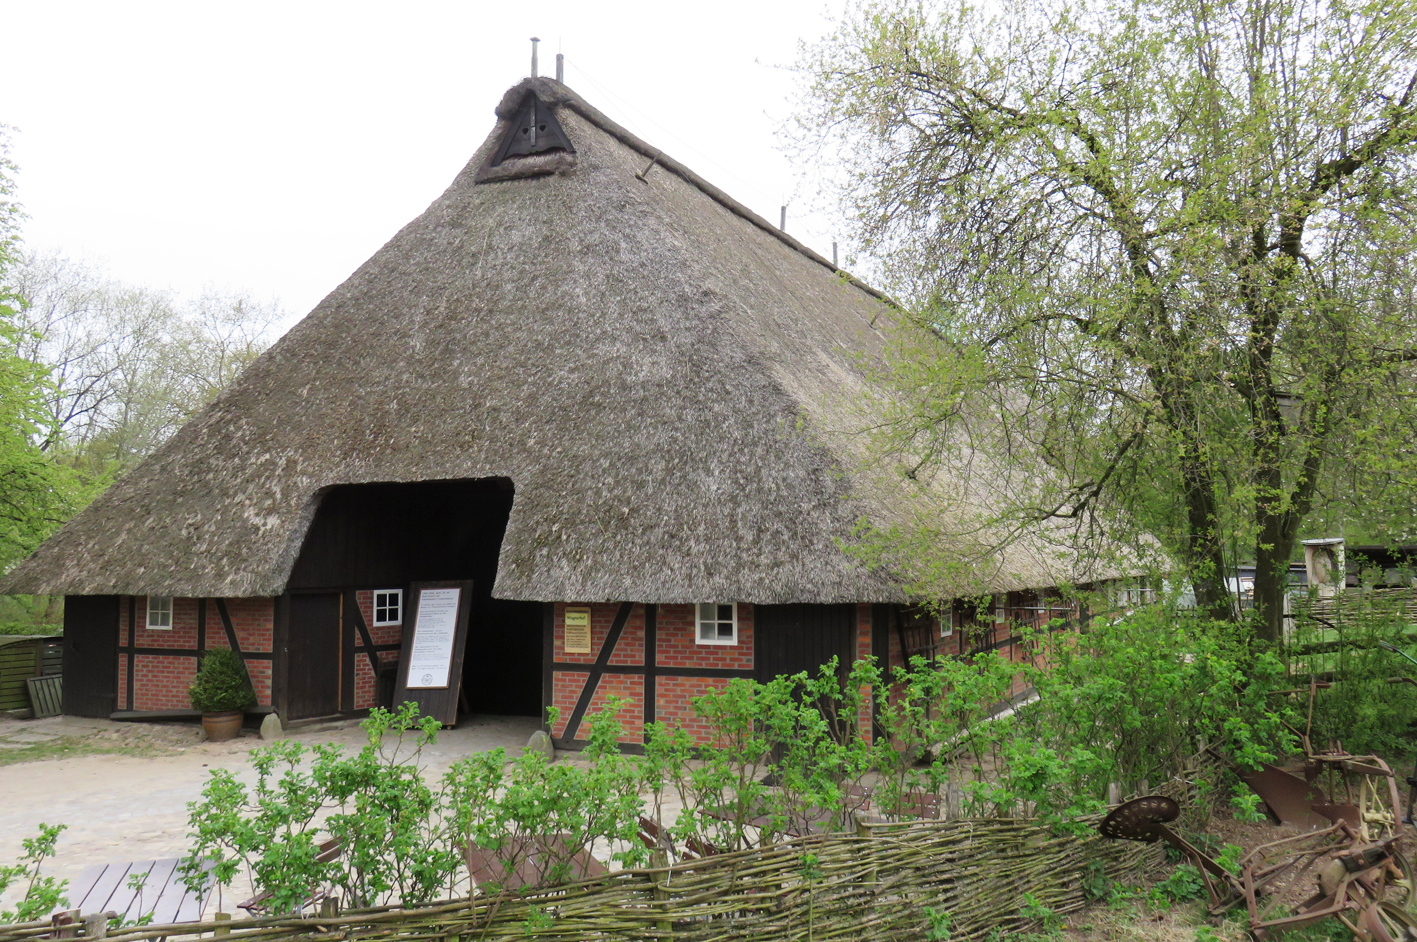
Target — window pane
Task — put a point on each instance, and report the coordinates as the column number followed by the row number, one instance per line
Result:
column 706, row 631
column 706, row 611
column 725, row 613
column 725, row 631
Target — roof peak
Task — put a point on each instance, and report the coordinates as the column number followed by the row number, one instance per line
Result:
column 560, row 95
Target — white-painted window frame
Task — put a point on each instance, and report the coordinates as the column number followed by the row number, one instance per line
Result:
column 699, row 624
column 398, row 594
column 163, row 609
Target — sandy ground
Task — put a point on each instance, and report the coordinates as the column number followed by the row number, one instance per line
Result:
column 126, row 807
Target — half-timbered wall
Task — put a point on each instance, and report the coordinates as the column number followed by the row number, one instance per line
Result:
column 156, row 666
column 647, row 655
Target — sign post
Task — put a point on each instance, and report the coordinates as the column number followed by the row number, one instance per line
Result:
column 430, row 660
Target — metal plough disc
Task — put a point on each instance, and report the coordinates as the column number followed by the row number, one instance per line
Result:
column 1137, row 819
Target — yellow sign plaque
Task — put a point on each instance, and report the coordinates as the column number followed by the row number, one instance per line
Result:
column 577, row 631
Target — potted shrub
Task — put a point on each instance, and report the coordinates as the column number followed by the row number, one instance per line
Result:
column 222, row 691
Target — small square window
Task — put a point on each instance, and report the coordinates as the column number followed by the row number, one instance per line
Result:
column 159, row 613
column 947, row 623
column 718, row 623
column 388, row 607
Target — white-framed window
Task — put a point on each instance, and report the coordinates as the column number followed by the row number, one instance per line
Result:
column 947, row 622
column 388, row 607
column 717, row 623
column 159, row 613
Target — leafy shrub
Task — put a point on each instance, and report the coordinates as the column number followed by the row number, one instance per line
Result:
column 509, row 810
column 221, row 683
column 43, row 894
column 1361, row 710
column 1181, row 886
column 380, row 809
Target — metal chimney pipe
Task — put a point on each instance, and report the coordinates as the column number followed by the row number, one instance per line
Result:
column 534, row 41
column 560, row 67
column 783, row 223
column 834, row 263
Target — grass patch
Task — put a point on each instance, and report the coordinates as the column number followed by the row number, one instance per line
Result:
column 69, row 747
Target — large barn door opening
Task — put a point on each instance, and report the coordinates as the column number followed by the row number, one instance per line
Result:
column 314, row 656
column 371, row 537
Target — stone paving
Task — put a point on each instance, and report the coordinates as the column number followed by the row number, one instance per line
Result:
column 120, row 807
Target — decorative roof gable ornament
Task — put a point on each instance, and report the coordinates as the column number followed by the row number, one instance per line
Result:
column 534, row 130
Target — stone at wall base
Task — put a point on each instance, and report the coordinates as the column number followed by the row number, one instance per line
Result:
column 271, row 728
column 540, row 742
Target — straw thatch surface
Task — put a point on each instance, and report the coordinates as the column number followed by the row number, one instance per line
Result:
column 661, row 374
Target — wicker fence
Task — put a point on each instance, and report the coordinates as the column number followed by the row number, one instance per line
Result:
column 873, row 885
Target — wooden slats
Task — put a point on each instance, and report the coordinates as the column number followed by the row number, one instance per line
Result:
column 163, row 896
column 46, row 695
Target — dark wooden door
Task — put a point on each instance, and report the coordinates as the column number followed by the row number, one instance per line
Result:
column 90, row 655
column 313, row 664
column 788, row 639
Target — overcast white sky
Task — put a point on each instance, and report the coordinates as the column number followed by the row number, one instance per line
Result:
column 274, row 146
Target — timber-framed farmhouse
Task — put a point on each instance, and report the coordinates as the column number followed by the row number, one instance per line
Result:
column 578, row 421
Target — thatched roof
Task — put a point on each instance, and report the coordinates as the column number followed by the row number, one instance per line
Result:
column 657, row 370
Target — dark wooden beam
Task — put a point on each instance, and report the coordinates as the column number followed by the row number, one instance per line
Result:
column 132, row 642
column 648, row 690
column 548, row 661
column 602, row 661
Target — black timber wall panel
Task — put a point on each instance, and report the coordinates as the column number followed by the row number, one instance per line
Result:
column 395, row 534
column 90, row 655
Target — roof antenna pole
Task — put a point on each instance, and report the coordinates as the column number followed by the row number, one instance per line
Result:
column 783, row 223
column 534, row 41
column 834, row 264
column 560, row 68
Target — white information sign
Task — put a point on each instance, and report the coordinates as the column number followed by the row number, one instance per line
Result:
column 430, row 661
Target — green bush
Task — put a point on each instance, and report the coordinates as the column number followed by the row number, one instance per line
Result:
column 221, row 683
column 1361, row 710
column 42, row 895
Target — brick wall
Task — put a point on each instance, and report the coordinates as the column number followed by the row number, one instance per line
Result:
column 366, row 685
column 160, row 681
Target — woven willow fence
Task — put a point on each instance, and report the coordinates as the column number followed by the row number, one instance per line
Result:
column 873, row 885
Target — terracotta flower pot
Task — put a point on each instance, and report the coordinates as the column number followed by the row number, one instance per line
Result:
column 222, row 726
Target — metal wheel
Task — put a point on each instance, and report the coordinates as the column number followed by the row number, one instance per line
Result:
column 1388, row 923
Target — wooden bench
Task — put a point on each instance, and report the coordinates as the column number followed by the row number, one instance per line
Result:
column 163, row 896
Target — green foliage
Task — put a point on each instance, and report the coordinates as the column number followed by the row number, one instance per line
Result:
column 1097, row 886
column 512, row 810
column 1180, row 886
column 1155, row 263
column 43, row 894
column 1122, row 701
column 1035, row 911
column 1247, row 806
column 37, row 493
column 1229, row 858
column 221, row 683
column 1362, row 709
column 938, row 925
column 375, row 803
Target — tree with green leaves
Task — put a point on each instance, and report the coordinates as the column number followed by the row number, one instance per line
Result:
column 37, row 493
column 1156, row 259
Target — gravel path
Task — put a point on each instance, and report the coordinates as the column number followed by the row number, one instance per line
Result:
column 134, row 807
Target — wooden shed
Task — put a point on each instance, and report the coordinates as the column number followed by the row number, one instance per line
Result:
column 23, row 657
column 587, row 426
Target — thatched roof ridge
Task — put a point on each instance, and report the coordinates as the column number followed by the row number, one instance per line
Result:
column 665, row 377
